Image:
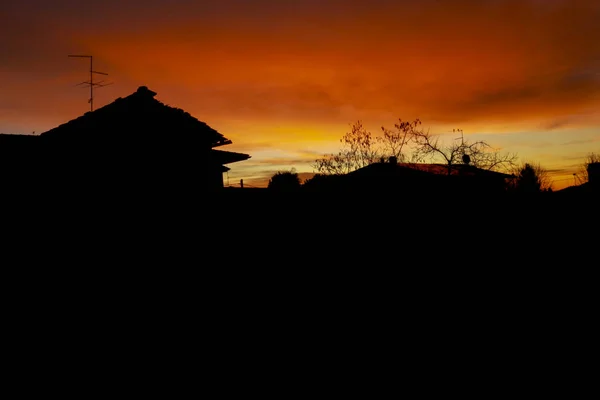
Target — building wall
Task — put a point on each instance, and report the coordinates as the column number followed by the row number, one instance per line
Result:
column 122, row 166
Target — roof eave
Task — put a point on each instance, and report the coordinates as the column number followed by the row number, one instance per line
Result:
column 222, row 143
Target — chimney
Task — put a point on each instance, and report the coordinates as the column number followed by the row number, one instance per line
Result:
column 593, row 170
column 143, row 90
column 393, row 160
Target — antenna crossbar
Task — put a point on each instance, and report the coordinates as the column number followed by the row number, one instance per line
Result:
column 91, row 82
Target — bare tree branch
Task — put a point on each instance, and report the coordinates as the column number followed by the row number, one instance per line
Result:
column 582, row 172
column 358, row 150
column 479, row 154
column 394, row 141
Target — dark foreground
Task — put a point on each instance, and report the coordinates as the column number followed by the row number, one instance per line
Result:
column 245, row 227
column 258, row 235
column 256, row 292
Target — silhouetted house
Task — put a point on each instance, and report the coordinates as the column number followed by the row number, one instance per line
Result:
column 18, row 148
column 467, row 178
column 325, row 183
column 589, row 187
column 19, row 160
column 133, row 140
column 390, row 176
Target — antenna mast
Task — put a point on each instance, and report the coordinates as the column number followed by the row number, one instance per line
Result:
column 91, row 82
column 465, row 157
column 462, row 138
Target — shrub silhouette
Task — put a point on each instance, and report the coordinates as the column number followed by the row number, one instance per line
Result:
column 531, row 178
column 286, row 181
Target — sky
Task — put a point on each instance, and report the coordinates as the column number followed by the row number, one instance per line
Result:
column 285, row 79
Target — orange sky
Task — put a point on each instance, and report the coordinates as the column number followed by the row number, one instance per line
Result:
column 284, row 79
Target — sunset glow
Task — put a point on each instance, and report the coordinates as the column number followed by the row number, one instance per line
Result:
column 284, row 79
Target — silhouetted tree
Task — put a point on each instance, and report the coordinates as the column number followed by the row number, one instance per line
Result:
column 285, row 181
column 358, row 150
column 394, row 141
column 531, row 178
column 582, row 171
column 479, row 154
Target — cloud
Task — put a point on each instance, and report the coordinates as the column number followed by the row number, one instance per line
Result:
column 278, row 102
column 558, row 171
column 447, row 63
column 557, row 93
column 555, row 124
column 576, row 142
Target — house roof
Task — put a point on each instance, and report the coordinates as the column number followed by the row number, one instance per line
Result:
column 457, row 169
column 138, row 116
column 227, row 157
column 584, row 188
column 388, row 170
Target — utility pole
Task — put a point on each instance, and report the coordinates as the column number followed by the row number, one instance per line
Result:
column 91, row 82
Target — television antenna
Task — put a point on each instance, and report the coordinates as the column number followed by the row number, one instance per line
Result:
column 465, row 157
column 93, row 85
column 462, row 138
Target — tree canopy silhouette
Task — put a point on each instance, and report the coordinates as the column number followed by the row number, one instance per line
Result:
column 285, row 181
column 531, row 178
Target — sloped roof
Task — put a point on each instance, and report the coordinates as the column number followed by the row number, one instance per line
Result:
column 138, row 116
column 389, row 170
column 227, row 157
column 584, row 188
column 457, row 169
